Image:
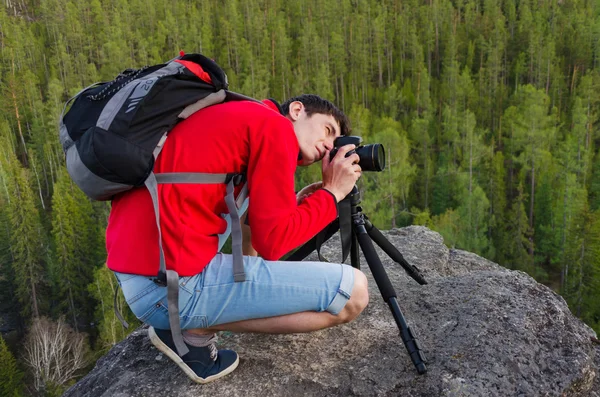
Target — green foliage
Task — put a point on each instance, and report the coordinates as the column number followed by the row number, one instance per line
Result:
column 489, row 113
column 595, row 184
column 449, row 226
column 387, row 192
column 422, row 218
column 110, row 329
column 27, row 237
column 496, row 191
column 473, row 212
column 466, row 227
column 10, row 375
column 77, row 249
column 532, row 128
column 518, row 232
column 582, row 276
column 548, row 233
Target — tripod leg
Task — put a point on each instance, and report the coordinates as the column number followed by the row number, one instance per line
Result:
column 354, row 253
column 389, row 296
column 393, row 253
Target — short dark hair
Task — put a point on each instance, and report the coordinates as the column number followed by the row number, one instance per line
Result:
column 315, row 104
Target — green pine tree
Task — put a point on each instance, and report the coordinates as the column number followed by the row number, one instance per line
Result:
column 27, row 238
column 520, row 236
column 496, row 191
column 76, row 250
column 10, row 375
column 582, row 279
column 110, row 329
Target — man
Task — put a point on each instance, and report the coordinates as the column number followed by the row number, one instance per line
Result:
column 267, row 142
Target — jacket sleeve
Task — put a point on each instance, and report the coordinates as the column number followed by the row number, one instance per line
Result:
column 278, row 224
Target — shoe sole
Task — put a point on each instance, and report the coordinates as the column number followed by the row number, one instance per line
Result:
column 160, row 345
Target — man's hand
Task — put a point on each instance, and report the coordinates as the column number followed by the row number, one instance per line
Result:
column 308, row 190
column 341, row 173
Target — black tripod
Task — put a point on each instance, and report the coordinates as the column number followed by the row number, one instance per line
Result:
column 362, row 232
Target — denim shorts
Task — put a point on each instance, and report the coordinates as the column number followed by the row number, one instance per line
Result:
column 272, row 288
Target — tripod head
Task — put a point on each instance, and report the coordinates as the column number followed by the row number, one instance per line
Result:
column 354, row 196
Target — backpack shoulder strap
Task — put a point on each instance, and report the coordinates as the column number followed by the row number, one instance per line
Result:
column 168, row 278
column 231, row 180
column 211, row 99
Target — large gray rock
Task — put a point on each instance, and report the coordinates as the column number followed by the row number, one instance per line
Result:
column 485, row 330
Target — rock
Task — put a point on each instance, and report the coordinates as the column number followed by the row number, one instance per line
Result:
column 486, row 331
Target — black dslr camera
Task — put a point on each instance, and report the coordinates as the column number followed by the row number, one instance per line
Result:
column 372, row 157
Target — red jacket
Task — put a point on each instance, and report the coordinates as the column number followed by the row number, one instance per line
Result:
column 224, row 138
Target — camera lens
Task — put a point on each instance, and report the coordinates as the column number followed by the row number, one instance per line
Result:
column 372, row 157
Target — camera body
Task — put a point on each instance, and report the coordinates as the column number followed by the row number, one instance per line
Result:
column 372, row 157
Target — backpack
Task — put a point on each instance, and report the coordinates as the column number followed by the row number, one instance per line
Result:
column 115, row 130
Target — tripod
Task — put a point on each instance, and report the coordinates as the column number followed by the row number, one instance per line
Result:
column 362, row 232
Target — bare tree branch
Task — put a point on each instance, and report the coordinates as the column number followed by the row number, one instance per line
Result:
column 54, row 352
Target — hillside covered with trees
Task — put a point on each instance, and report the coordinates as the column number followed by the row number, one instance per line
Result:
column 488, row 110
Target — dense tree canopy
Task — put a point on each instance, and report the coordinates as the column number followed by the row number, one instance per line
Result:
column 489, row 112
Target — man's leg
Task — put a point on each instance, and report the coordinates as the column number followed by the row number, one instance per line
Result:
column 303, row 321
column 277, row 297
column 203, row 363
column 227, row 361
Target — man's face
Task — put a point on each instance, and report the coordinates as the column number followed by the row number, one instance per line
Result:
column 315, row 133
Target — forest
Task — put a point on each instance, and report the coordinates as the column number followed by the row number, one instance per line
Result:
column 488, row 110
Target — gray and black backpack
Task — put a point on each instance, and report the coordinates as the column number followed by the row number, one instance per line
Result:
column 115, row 130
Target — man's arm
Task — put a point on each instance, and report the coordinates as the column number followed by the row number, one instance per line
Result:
column 278, row 223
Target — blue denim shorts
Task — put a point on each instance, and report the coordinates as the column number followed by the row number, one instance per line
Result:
column 271, row 289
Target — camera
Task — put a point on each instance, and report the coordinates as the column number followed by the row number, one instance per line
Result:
column 372, row 157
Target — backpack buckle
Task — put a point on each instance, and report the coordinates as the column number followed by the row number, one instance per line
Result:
column 160, row 279
column 238, row 179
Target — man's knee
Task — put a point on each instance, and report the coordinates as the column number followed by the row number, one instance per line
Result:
column 358, row 300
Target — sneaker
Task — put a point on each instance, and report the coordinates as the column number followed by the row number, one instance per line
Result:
column 201, row 364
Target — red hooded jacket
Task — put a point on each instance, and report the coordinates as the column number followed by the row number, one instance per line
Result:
column 224, row 138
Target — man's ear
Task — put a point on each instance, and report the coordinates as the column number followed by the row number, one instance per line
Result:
column 295, row 110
